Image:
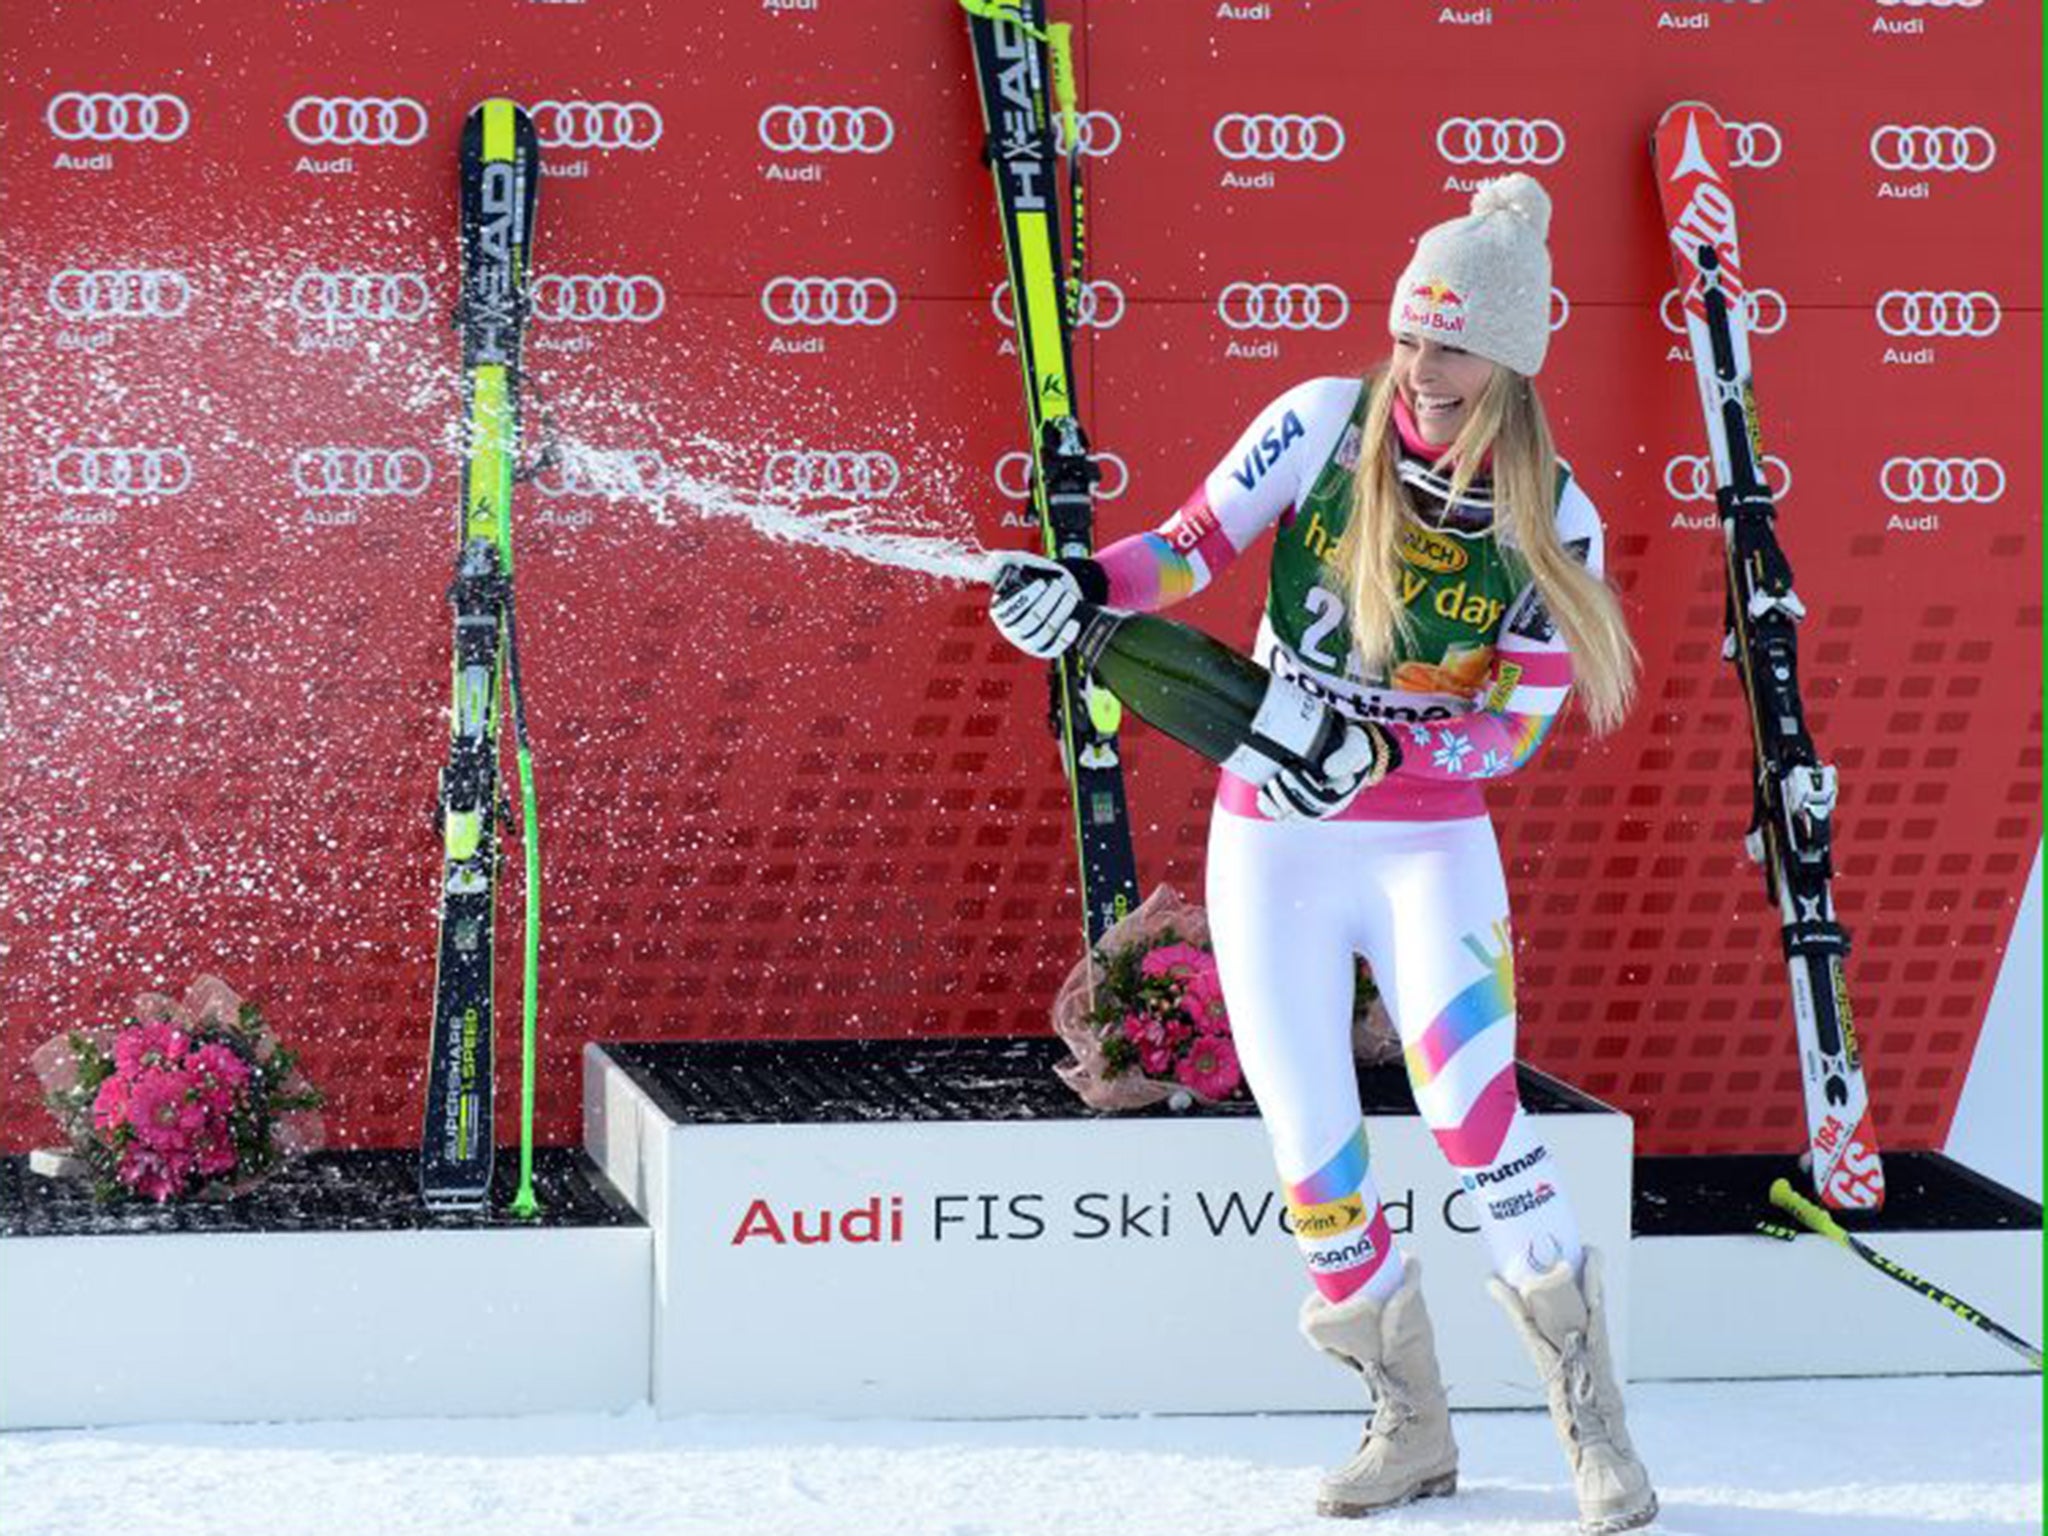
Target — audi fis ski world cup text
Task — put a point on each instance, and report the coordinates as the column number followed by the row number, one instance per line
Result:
column 891, row 1219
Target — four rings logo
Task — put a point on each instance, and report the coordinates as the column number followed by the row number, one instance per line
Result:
column 1942, row 480
column 1937, row 312
column 1960, row 5
column 332, row 297
column 1282, row 136
column 608, row 472
column 1013, row 475
column 1560, row 309
column 596, row 124
column 814, row 130
column 120, row 293
column 828, row 301
column 1283, row 306
column 1690, row 477
column 1500, row 140
column 1102, row 304
column 1757, row 146
column 375, row 121
column 120, row 471
column 604, row 298
column 1763, row 311
column 117, row 117
column 1101, row 134
column 1933, row 147
column 335, row 471
column 842, row 474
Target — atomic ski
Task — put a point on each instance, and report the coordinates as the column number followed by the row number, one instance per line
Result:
column 1019, row 63
column 500, row 180
column 1794, row 791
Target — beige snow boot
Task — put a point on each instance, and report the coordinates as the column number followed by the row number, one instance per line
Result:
column 1407, row 1452
column 1565, row 1329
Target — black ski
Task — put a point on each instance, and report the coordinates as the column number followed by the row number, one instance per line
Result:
column 500, row 175
column 1019, row 64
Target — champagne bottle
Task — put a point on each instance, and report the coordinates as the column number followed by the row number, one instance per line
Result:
column 1209, row 697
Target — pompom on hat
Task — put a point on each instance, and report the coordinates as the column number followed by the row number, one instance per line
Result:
column 1482, row 282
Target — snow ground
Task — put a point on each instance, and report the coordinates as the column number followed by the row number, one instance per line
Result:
column 1954, row 1456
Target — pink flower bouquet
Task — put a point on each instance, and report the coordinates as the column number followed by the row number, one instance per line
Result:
column 188, row 1096
column 1144, row 1016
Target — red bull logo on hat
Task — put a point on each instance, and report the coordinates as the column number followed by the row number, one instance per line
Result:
column 1435, row 308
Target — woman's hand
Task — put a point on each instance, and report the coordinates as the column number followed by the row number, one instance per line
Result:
column 1361, row 757
column 1033, row 604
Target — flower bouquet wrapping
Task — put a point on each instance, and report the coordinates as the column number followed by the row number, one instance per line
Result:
column 189, row 1097
column 1144, row 1018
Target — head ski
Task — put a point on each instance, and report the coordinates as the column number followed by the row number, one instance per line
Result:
column 500, row 180
column 1019, row 63
column 1794, row 791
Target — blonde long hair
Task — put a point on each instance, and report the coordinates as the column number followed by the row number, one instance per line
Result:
column 1508, row 419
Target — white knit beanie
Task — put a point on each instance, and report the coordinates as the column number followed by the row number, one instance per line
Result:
column 1482, row 283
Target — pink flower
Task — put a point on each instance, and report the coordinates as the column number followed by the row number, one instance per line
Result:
column 1157, row 1060
column 156, row 1174
column 1181, row 960
column 110, row 1103
column 165, row 1110
column 222, row 1076
column 157, row 1043
column 1210, row 1068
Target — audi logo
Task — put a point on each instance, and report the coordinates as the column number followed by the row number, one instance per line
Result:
column 607, row 472
column 1560, row 309
column 120, row 471
column 337, row 296
column 1944, row 480
column 1102, row 304
column 1933, row 147
column 596, row 124
column 1283, row 306
column 1282, row 136
column 1937, row 312
column 813, row 130
column 1013, row 475
column 603, row 298
column 1763, row 311
column 828, row 301
column 372, row 121
column 1500, row 141
column 1691, row 478
column 335, row 471
column 843, row 474
column 1758, row 146
column 120, row 293
column 120, row 117
column 1960, row 5
column 1101, row 134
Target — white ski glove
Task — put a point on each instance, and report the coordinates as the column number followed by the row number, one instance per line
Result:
column 1033, row 604
column 1362, row 756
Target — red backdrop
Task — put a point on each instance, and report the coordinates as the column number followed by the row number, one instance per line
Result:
column 786, row 793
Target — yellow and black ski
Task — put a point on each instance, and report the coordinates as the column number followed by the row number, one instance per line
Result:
column 1023, row 66
column 500, row 177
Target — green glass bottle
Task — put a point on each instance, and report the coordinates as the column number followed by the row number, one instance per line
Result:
column 1203, row 694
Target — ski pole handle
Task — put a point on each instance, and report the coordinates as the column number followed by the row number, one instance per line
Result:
column 1789, row 1200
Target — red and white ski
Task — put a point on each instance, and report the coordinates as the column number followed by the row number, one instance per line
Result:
column 1795, row 792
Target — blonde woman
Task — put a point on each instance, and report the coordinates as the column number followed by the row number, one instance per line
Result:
column 1436, row 578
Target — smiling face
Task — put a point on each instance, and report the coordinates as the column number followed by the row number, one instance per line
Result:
column 1439, row 385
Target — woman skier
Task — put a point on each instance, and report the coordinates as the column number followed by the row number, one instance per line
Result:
column 1436, row 577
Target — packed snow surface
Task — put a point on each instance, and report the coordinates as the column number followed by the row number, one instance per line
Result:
column 1950, row 1456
